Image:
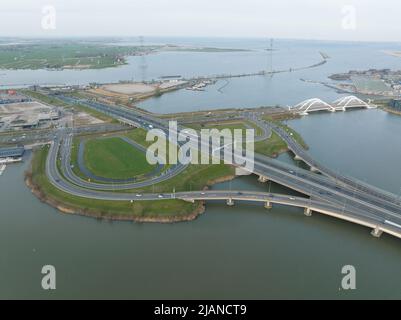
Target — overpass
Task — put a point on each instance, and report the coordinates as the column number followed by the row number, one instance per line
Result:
column 308, row 204
column 266, row 168
column 342, row 104
column 376, row 195
column 326, row 191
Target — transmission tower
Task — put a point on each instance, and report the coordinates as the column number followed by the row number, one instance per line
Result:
column 143, row 65
column 271, row 49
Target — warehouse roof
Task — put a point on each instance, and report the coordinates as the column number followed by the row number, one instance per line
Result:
column 11, row 152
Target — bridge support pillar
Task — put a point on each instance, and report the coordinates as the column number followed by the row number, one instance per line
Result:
column 263, row 179
column 230, row 202
column 268, row 205
column 376, row 232
column 298, row 158
column 189, row 200
column 308, row 212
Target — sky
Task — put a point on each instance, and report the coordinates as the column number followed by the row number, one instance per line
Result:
column 354, row 20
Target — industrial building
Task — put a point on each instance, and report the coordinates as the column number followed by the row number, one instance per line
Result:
column 27, row 115
column 15, row 152
column 11, row 96
column 33, row 121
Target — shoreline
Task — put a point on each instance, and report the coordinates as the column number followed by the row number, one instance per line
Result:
column 390, row 110
column 67, row 209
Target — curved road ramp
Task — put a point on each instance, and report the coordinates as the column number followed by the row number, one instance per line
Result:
column 337, row 196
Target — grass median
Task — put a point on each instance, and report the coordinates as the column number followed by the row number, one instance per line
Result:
column 115, row 158
column 194, row 177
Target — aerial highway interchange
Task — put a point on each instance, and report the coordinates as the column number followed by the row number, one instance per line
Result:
column 328, row 193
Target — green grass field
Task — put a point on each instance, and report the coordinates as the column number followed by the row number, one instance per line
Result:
column 194, row 178
column 99, row 208
column 59, row 54
column 76, row 54
column 297, row 137
column 138, row 135
column 271, row 147
column 115, row 158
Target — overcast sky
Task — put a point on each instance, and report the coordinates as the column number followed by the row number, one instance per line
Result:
column 362, row 20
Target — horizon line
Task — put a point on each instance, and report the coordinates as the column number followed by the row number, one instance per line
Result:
column 40, row 37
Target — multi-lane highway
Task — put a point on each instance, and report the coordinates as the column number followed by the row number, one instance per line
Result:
column 375, row 195
column 327, row 195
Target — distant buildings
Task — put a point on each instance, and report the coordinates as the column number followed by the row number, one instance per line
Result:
column 29, row 121
column 19, row 112
column 11, row 96
column 16, row 152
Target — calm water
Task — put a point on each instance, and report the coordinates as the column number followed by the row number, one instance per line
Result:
column 239, row 252
column 365, row 144
column 283, row 89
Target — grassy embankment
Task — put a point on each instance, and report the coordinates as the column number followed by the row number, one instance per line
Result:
column 195, row 177
column 297, row 137
column 231, row 125
column 161, row 211
column 272, row 147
